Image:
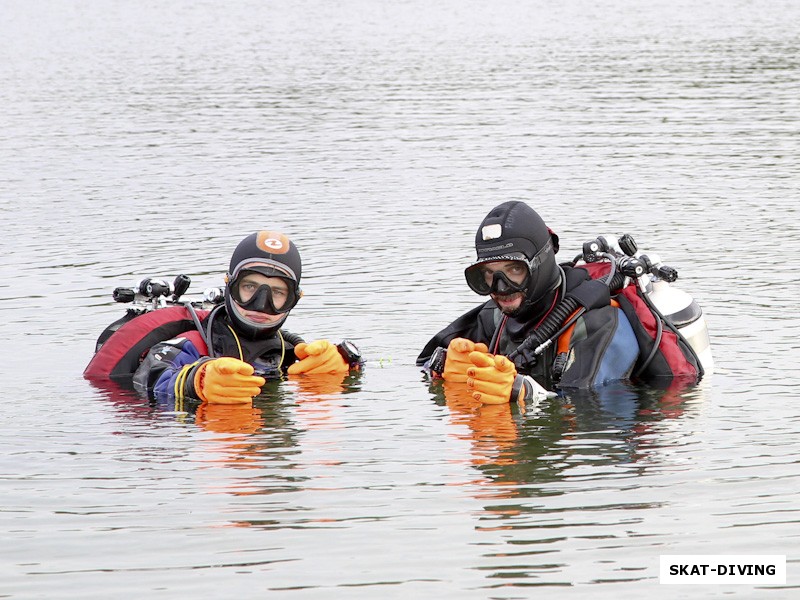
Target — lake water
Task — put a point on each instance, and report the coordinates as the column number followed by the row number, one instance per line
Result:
column 147, row 138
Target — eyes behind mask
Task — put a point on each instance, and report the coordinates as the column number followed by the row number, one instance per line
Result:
column 265, row 299
column 500, row 283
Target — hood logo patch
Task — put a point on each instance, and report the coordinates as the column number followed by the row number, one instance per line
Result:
column 491, row 232
column 272, row 242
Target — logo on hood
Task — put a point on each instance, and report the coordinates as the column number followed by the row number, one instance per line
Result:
column 491, row 232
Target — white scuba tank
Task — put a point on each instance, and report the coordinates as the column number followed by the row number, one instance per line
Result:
column 684, row 313
column 678, row 307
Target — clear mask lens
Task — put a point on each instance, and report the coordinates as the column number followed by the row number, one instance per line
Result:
column 264, row 298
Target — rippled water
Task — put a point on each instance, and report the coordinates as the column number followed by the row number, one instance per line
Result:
column 147, row 138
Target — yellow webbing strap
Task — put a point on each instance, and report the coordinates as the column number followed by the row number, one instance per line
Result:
column 180, row 385
column 238, row 345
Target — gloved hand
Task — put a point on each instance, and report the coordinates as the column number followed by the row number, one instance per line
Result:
column 457, row 363
column 490, row 378
column 318, row 357
column 227, row 380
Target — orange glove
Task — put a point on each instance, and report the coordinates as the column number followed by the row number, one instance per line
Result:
column 491, row 378
column 318, row 357
column 227, row 381
column 457, row 363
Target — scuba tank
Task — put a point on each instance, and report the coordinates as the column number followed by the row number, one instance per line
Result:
column 668, row 323
column 152, row 294
column 670, row 306
column 155, row 312
column 680, row 309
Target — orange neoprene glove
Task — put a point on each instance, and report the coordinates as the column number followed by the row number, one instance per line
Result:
column 318, row 357
column 457, row 363
column 227, row 381
column 491, row 378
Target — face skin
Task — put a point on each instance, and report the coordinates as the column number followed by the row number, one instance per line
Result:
column 249, row 285
column 516, row 272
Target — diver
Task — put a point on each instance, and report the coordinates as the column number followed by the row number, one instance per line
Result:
column 226, row 356
column 489, row 348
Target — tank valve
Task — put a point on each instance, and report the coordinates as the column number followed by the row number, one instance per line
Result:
column 627, row 244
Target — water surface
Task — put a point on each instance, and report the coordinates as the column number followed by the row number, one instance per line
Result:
column 143, row 139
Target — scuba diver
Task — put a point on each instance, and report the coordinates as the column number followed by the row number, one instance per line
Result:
column 223, row 356
column 548, row 324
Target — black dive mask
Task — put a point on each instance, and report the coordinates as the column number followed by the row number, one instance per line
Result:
column 501, row 284
column 539, row 273
column 264, row 298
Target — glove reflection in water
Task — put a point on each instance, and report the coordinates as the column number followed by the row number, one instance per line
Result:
column 317, row 387
column 491, row 427
column 229, row 418
column 238, row 446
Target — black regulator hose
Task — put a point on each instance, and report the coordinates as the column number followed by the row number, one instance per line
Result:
column 656, row 341
column 198, row 325
column 549, row 328
column 662, row 319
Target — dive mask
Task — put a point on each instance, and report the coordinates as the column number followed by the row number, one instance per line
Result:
column 514, row 276
column 263, row 298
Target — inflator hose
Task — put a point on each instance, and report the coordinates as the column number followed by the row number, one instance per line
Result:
column 551, row 325
column 197, row 323
column 547, row 328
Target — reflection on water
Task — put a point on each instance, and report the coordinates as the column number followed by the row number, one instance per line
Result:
column 144, row 139
column 543, row 470
column 527, row 445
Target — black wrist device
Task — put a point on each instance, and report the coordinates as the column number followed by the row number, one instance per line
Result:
column 350, row 353
column 437, row 360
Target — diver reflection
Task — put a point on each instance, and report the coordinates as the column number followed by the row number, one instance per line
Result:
column 272, row 410
column 520, row 448
column 545, row 469
column 252, row 452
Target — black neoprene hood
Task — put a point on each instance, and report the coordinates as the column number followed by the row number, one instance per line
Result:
column 270, row 253
column 268, row 249
column 512, row 228
column 514, row 231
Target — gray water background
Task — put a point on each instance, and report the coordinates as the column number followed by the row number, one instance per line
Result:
column 147, row 138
